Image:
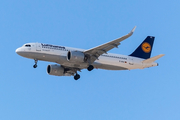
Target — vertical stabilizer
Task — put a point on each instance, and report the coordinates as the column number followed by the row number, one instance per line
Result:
column 145, row 48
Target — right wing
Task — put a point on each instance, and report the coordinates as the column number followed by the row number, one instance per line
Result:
column 95, row 52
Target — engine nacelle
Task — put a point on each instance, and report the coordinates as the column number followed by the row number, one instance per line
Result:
column 56, row 70
column 75, row 56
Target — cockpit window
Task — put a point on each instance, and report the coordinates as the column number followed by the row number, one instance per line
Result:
column 27, row 45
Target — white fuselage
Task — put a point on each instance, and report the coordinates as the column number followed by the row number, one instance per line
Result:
column 58, row 54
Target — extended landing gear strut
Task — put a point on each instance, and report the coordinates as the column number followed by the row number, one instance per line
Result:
column 35, row 65
column 90, row 68
column 76, row 77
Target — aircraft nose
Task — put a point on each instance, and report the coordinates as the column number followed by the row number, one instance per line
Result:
column 18, row 51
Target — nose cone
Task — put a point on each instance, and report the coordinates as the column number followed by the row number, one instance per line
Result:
column 22, row 52
column 18, row 51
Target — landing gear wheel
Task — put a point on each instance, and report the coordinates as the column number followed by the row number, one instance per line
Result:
column 90, row 68
column 76, row 77
column 35, row 66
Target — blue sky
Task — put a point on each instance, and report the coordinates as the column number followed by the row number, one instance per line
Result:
column 31, row 94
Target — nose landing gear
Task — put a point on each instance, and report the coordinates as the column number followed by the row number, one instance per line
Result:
column 35, row 65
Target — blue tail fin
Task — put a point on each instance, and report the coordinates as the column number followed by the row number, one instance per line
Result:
column 144, row 50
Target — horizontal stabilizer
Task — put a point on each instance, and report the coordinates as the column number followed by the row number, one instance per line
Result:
column 150, row 60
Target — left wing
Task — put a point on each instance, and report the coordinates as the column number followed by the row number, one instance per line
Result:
column 95, row 52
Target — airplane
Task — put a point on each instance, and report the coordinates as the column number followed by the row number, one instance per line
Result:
column 69, row 61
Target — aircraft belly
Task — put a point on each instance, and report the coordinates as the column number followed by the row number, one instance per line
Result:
column 75, row 65
column 45, row 57
column 109, row 67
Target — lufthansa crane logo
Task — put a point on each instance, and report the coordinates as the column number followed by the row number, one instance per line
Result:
column 146, row 47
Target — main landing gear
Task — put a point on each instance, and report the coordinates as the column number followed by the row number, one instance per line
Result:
column 76, row 77
column 90, row 68
column 35, row 65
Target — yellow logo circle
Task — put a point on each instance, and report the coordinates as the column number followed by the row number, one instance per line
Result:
column 146, row 47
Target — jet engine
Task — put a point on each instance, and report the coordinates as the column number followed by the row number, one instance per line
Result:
column 56, row 70
column 75, row 56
